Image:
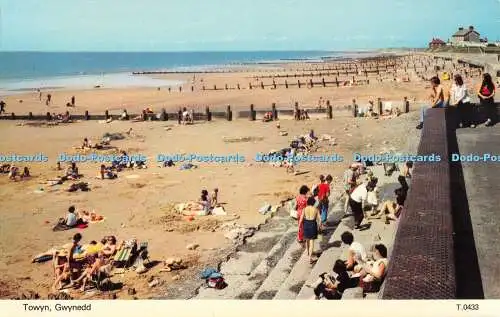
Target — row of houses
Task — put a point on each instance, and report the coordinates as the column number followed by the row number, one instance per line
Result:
column 462, row 37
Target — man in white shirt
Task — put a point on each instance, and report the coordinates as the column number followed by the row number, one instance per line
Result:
column 356, row 199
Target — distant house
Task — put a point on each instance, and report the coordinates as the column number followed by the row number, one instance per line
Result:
column 465, row 35
column 436, row 43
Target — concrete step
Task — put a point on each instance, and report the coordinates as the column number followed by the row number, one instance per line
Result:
column 291, row 286
column 267, row 265
column 246, row 269
column 336, row 250
column 325, row 261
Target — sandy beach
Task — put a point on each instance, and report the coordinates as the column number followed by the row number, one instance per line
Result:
column 138, row 204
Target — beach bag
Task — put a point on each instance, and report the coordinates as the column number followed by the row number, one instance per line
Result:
column 217, row 283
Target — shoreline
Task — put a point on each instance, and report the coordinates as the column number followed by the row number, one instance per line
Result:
column 31, row 84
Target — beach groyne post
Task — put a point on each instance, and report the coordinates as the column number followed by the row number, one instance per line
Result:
column 229, row 113
column 49, row 116
column 215, row 87
column 253, row 114
column 106, row 114
column 226, row 87
column 337, row 82
column 192, row 88
column 323, row 82
column 180, row 88
column 87, row 116
column 250, row 86
column 238, row 85
column 354, row 108
column 208, row 114
column 30, row 115
column 262, row 84
column 298, row 83
column 286, row 84
column 13, row 116
column 203, row 88
column 329, row 110
column 274, row 111
column 380, row 106
column 406, row 105
column 311, row 83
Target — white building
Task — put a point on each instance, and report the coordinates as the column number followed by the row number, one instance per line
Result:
column 463, row 36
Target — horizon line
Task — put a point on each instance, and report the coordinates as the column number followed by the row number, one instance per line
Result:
column 213, row 51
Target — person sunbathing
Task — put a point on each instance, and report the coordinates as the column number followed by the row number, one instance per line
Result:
column 393, row 208
column 110, row 246
column 61, row 271
column 86, row 144
column 92, row 266
column 90, row 216
column 373, row 273
column 106, row 172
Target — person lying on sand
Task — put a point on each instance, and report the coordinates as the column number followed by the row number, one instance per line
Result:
column 90, row 216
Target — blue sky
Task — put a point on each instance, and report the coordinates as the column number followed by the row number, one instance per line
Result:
column 215, row 25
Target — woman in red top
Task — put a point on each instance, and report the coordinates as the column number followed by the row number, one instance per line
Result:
column 486, row 94
column 301, row 203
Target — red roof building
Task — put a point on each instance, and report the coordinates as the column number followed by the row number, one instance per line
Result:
column 436, row 43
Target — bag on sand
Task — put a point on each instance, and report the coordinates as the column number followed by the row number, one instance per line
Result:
column 217, row 283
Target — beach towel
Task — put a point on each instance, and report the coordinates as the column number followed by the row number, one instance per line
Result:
column 61, row 227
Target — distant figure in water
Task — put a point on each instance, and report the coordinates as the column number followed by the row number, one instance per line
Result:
column 49, row 99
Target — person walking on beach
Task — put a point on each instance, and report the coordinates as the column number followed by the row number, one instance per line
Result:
column 73, row 101
column 2, row 106
column 437, row 99
column 460, row 99
column 486, row 94
column 301, row 204
column 39, row 94
column 309, row 220
column 323, row 194
column 49, row 99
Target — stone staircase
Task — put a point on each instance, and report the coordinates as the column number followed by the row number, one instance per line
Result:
column 272, row 265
